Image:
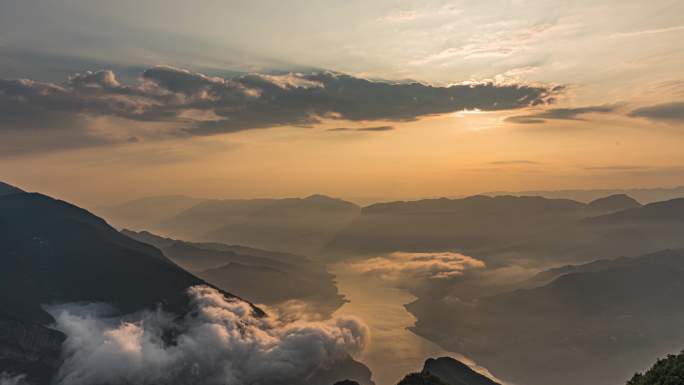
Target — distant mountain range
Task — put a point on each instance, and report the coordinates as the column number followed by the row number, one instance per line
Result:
column 296, row 225
column 244, row 270
column 643, row 195
column 319, row 225
column 653, row 213
column 480, row 225
column 146, row 212
column 323, row 226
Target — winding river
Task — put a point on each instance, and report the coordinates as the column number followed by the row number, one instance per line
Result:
column 394, row 350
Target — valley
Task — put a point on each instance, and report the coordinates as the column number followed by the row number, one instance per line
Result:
column 394, row 349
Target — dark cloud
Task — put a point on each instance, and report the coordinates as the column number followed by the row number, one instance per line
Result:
column 205, row 105
column 561, row 114
column 668, row 112
column 368, row 129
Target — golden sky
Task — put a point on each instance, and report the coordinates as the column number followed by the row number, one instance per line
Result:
column 605, row 105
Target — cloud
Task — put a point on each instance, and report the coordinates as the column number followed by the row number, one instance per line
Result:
column 219, row 342
column 402, row 266
column 667, row 112
column 515, row 162
column 647, row 32
column 191, row 103
column 403, row 16
column 561, row 114
column 370, row 129
column 617, row 168
column 12, row 379
column 674, row 87
column 503, row 43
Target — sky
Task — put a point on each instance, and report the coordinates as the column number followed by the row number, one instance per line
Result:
column 103, row 101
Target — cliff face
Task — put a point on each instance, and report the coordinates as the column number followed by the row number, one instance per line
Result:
column 29, row 348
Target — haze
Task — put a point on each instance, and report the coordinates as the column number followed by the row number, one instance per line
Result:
column 329, row 192
column 616, row 66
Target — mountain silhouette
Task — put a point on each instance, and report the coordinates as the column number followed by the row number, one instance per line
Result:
column 473, row 223
column 55, row 252
column 146, row 213
column 612, row 203
column 296, row 225
column 643, row 195
column 441, row 371
column 244, row 270
column 6, row 189
column 52, row 252
column 454, row 372
column 657, row 212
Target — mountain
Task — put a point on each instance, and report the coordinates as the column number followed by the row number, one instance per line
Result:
column 197, row 256
column 146, row 213
column 605, row 317
column 297, row 225
column 197, row 221
column 28, row 348
column 613, row 203
column 643, row 195
column 473, row 223
column 244, row 270
column 639, row 230
column 54, row 252
column 454, row 372
column 654, row 213
column 437, row 224
column 672, row 258
column 504, row 230
column 441, row 371
column 6, row 189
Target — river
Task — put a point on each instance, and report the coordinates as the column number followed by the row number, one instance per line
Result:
column 394, row 350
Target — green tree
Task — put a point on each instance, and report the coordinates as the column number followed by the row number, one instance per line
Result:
column 666, row 371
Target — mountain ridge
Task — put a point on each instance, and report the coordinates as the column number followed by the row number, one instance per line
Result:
column 6, row 189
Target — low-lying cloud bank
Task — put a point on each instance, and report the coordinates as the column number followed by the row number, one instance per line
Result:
column 219, row 342
column 205, row 105
column 402, row 266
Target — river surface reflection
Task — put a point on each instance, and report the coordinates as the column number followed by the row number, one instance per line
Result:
column 394, row 350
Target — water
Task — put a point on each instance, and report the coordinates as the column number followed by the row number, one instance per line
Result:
column 394, row 350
